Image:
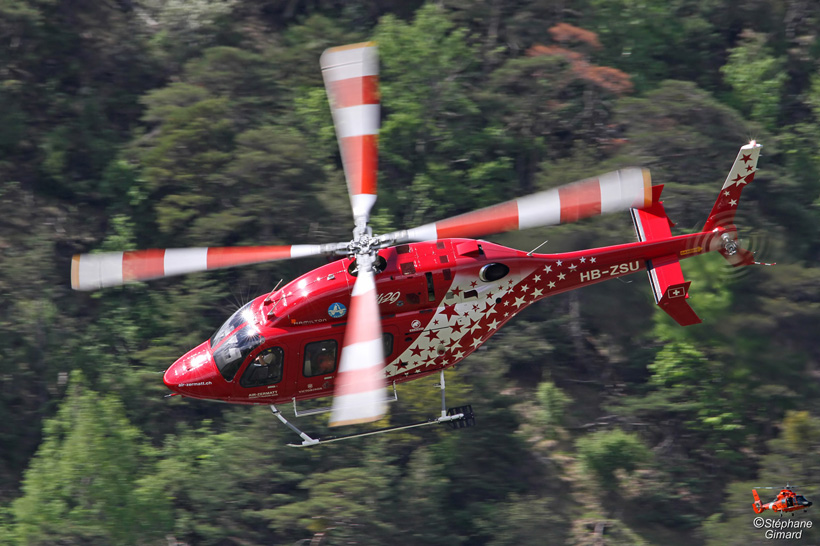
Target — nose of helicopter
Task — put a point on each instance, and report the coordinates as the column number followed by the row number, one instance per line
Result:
column 194, row 374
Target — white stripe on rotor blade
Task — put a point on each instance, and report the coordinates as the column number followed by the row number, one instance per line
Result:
column 298, row 251
column 364, row 283
column 359, row 407
column 342, row 64
column 539, row 209
column 621, row 189
column 361, row 204
column 357, row 120
column 364, row 354
column 97, row 271
column 185, row 260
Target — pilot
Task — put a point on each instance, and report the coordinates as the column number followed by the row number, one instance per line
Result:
column 324, row 362
column 265, row 358
column 265, row 364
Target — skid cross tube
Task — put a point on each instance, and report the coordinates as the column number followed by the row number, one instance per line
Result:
column 306, row 440
column 457, row 415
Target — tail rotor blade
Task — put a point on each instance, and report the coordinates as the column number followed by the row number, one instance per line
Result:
column 610, row 192
column 359, row 391
column 93, row 271
column 351, row 75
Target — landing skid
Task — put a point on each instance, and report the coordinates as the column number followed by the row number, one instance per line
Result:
column 456, row 418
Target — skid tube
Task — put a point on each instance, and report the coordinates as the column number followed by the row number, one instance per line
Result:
column 458, row 417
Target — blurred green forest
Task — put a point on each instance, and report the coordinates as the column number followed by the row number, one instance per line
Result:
column 168, row 123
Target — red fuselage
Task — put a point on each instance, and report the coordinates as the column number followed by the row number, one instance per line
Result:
column 439, row 301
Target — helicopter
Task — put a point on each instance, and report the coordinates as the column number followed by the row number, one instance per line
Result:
column 408, row 304
column 786, row 501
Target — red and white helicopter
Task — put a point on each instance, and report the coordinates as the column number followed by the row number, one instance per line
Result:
column 411, row 303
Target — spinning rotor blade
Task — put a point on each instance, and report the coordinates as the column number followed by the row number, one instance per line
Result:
column 359, row 391
column 351, row 75
column 610, row 192
column 93, row 271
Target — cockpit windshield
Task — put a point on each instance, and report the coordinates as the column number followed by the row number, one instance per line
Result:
column 241, row 316
column 234, row 341
column 232, row 352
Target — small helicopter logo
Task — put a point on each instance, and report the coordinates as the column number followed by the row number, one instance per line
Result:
column 786, row 501
column 337, row 310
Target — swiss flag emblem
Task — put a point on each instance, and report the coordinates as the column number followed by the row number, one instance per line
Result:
column 676, row 292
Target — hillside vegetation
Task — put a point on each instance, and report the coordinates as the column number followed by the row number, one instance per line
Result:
column 167, row 123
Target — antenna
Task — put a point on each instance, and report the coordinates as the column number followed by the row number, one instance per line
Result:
column 267, row 300
column 530, row 253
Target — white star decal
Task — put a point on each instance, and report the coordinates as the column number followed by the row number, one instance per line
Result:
column 477, row 342
column 493, row 325
column 537, row 278
column 558, row 263
column 572, row 267
column 561, row 276
column 536, row 292
column 519, row 302
column 592, row 260
column 732, row 203
column 583, row 260
column 547, row 268
column 459, row 355
column 552, row 284
column 490, row 311
column 726, row 193
column 524, row 288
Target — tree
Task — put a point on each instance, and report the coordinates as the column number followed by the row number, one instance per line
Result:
column 605, row 452
column 757, row 78
column 85, row 481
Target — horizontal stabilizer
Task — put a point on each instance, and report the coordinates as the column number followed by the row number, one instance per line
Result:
column 674, row 302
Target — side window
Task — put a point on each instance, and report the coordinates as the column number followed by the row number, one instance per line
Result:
column 320, row 358
column 265, row 369
column 387, row 344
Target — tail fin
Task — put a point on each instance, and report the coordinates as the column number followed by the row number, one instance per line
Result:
column 743, row 172
column 723, row 212
column 757, row 506
column 665, row 274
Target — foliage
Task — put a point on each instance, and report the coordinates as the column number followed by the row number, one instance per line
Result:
column 165, row 123
column 605, row 452
column 84, row 481
column 552, row 403
column 757, row 79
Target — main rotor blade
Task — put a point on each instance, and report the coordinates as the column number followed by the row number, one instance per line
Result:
column 351, row 75
column 359, row 392
column 93, row 271
column 610, row 192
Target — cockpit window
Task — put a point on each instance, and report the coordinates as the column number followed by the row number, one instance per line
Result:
column 265, row 369
column 240, row 317
column 232, row 352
